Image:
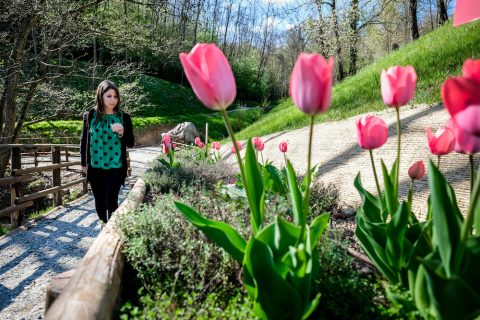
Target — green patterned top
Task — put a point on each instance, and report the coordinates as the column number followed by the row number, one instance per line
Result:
column 105, row 145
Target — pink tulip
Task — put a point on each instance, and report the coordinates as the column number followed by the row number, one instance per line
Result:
column 167, row 139
column 398, row 85
column 210, row 75
column 466, row 11
column 442, row 142
column 372, row 132
column 461, row 97
column 283, row 146
column 165, row 149
column 216, row 145
column 239, row 145
column 201, row 145
column 417, row 170
column 464, row 141
column 311, row 83
column 174, row 146
column 197, row 141
column 258, row 144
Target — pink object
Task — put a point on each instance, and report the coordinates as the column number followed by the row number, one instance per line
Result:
column 167, row 139
column 165, row 149
column 239, row 145
column 417, row 170
column 210, row 75
column 216, row 145
column 311, row 83
column 464, row 141
column 258, row 144
column 201, row 145
column 372, row 132
column 283, row 146
column 197, row 141
column 461, row 97
column 466, row 11
column 398, row 85
column 442, row 142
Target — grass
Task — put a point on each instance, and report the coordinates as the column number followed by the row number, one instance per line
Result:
column 435, row 57
column 40, row 212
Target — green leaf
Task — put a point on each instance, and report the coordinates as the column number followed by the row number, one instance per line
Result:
column 374, row 250
column 255, row 189
column 273, row 180
column 313, row 173
column 393, row 177
column 311, row 306
column 275, row 298
column 390, row 194
column 295, row 196
column 446, row 225
column 219, row 232
column 370, row 204
column 317, row 228
column 279, row 236
column 396, row 230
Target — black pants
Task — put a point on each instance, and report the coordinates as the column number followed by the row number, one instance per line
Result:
column 105, row 187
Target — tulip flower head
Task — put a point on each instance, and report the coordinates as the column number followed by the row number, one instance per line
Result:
column 283, row 146
column 372, row 132
column 417, row 170
column 167, row 139
column 201, row 145
column 210, row 75
column 216, row 145
column 197, row 141
column 311, row 83
column 398, row 85
column 258, row 144
column 442, row 142
column 464, row 141
column 461, row 97
column 165, row 148
column 239, row 145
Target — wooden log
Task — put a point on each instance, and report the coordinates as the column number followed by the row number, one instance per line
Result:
column 55, row 288
column 93, row 289
column 46, row 168
column 15, row 207
column 15, row 179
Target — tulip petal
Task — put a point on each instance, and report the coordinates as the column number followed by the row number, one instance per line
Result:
column 469, row 119
column 458, row 93
column 471, row 69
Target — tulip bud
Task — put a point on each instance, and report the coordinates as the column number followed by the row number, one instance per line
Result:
column 372, row 132
column 442, row 142
column 167, row 139
column 417, row 170
column 239, row 145
column 258, row 144
column 311, row 83
column 398, row 85
column 283, row 146
column 210, row 75
column 216, row 145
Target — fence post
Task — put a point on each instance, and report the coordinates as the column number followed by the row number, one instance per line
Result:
column 57, row 196
column 35, row 157
column 66, row 156
column 206, row 139
column 16, row 188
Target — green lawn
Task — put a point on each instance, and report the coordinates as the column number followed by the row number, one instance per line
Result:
column 434, row 56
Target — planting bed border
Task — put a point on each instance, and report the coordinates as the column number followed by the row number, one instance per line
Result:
column 90, row 291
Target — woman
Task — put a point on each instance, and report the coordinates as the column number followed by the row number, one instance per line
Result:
column 106, row 134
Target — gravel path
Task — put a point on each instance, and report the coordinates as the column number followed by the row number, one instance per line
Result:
column 340, row 158
column 33, row 254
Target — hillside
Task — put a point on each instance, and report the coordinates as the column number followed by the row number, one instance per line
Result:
column 434, row 56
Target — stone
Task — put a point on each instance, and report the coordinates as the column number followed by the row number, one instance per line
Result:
column 184, row 132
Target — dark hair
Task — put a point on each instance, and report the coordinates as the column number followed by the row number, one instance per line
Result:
column 103, row 87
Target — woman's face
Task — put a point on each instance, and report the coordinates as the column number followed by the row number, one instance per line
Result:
column 110, row 100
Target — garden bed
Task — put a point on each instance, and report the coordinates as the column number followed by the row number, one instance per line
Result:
column 174, row 271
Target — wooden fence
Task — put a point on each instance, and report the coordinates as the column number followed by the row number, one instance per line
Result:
column 19, row 174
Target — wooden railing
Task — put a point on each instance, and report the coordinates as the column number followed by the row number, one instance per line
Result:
column 19, row 174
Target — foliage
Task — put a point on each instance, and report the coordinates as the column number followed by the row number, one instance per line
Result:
column 359, row 94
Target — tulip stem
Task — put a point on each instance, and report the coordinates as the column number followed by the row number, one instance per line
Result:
column 438, row 163
column 285, row 159
column 399, row 133
column 472, row 173
column 309, row 164
column 410, row 192
column 376, row 179
column 261, row 154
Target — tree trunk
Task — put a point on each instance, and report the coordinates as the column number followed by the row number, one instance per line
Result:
column 353, row 54
column 442, row 16
column 412, row 9
column 338, row 50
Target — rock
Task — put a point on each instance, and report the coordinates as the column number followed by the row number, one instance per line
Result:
column 184, row 132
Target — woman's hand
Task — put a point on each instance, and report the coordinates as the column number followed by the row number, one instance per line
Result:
column 118, row 128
